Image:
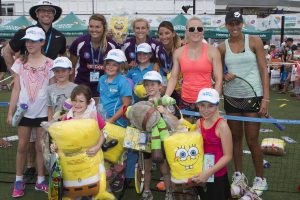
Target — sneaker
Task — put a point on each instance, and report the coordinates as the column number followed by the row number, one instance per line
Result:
column 43, row 186
column 260, row 185
column 29, row 174
column 19, row 187
column 161, row 186
column 118, row 183
column 169, row 196
column 250, row 195
column 239, row 185
column 147, row 195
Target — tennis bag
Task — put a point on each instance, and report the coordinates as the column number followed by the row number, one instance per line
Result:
column 184, row 152
column 273, row 146
column 83, row 175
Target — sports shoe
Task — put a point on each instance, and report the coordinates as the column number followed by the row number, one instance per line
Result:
column 169, row 196
column 259, row 185
column 239, row 185
column 19, row 187
column 147, row 195
column 117, row 184
column 250, row 195
column 43, row 186
column 29, row 174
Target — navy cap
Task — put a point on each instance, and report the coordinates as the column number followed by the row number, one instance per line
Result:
column 233, row 16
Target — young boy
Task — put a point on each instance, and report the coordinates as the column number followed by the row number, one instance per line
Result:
column 152, row 82
column 61, row 90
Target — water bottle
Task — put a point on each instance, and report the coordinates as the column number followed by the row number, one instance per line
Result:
column 266, row 164
column 21, row 109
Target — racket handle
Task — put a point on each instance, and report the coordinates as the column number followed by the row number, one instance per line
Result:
column 279, row 126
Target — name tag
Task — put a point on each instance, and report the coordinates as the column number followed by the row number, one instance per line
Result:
column 94, row 76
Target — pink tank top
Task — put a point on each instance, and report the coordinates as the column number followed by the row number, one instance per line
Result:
column 212, row 144
column 197, row 74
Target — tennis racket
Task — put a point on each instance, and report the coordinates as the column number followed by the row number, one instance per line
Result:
column 240, row 94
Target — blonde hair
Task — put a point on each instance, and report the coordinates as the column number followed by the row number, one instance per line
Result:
column 140, row 20
column 186, row 38
column 102, row 19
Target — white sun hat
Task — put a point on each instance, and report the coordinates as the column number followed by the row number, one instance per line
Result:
column 34, row 34
column 209, row 95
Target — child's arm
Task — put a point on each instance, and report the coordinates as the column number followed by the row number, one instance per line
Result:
column 94, row 149
column 14, row 97
column 126, row 101
column 224, row 133
column 50, row 113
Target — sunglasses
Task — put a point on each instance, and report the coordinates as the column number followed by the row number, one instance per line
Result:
column 199, row 29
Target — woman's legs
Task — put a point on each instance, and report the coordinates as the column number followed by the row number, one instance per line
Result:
column 251, row 134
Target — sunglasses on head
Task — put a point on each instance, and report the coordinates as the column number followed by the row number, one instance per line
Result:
column 198, row 28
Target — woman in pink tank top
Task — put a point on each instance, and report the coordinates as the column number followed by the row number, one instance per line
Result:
column 200, row 63
column 217, row 141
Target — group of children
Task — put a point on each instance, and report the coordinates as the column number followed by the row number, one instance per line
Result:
column 43, row 84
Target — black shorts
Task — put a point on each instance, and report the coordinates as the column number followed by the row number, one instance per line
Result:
column 231, row 109
column 36, row 122
column 218, row 190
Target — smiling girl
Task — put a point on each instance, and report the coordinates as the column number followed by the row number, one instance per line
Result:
column 90, row 50
column 32, row 75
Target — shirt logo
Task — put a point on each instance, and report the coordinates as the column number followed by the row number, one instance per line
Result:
column 113, row 90
column 86, row 55
column 132, row 55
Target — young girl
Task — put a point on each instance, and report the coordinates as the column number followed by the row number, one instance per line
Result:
column 114, row 89
column 31, row 77
column 83, row 107
column 217, row 141
column 152, row 81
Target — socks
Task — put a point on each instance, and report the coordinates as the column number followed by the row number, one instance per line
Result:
column 19, row 178
column 40, row 179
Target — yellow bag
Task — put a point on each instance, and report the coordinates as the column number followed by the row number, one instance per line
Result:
column 132, row 140
column 82, row 175
column 113, row 131
column 184, row 152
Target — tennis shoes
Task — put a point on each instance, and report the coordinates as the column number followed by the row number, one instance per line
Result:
column 240, row 188
column 19, row 188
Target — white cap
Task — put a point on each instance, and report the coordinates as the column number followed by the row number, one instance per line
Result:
column 266, row 47
column 116, row 55
column 208, row 95
column 144, row 47
column 62, row 62
column 34, row 34
column 153, row 76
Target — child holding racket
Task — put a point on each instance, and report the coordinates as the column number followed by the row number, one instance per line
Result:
column 245, row 59
column 218, row 142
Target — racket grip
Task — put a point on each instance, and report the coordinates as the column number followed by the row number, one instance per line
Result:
column 279, row 126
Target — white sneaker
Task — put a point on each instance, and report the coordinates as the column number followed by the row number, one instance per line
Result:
column 260, row 185
column 250, row 195
column 239, row 185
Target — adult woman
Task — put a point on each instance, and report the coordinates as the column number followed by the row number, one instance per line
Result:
column 244, row 56
column 91, row 50
column 141, row 30
column 198, row 62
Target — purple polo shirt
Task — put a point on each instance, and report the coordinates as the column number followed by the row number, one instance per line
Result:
column 165, row 60
column 82, row 49
column 129, row 48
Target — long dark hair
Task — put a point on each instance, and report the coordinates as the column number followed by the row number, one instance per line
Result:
column 176, row 38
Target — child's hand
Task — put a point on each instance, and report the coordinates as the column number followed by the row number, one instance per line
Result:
column 53, row 148
column 93, row 150
column 9, row 119
column 161, row 109
column 201, row 178
column 110, row 120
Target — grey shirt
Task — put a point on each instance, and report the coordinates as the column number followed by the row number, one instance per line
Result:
column 57, row 95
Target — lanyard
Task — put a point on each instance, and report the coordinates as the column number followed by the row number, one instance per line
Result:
column 48, row 43
column 98, row 57
column 167, row 66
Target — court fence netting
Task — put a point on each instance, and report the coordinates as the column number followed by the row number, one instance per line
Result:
column 283, row 174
